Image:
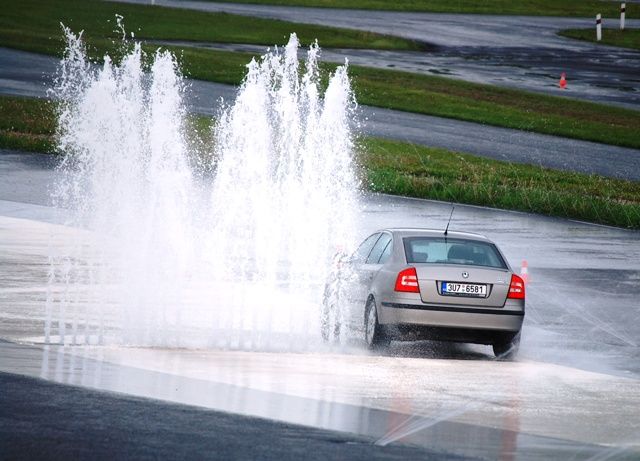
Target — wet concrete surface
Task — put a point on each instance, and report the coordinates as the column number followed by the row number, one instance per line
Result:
column 515, row 51
column 572, row 394
column 29, row 74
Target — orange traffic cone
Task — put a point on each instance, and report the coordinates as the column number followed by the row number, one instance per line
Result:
column 563, row 80
column 524, row 272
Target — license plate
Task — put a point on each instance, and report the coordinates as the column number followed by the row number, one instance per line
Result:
column 464, row 289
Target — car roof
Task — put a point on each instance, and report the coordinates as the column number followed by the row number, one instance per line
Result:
column 421, row 232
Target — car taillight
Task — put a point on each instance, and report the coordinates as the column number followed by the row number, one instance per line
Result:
column 407, row 281
column 516, row 289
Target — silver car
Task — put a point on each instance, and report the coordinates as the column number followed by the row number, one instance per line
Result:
column 407, row 284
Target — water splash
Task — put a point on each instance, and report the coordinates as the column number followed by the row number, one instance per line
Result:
column 237, row 259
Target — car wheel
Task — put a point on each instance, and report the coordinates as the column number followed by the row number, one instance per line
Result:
column 373, row 335
column 507, row 349
column 330, row 324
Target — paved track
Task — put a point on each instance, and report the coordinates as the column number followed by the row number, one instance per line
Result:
column 516, row 51
column 29, row 74
column 572, row 394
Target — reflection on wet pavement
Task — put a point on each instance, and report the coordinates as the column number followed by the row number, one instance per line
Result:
column 475, row 407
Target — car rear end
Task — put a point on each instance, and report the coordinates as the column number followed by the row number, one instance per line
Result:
column 457, row 288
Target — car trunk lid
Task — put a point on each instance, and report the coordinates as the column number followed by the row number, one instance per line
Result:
column 431, row 276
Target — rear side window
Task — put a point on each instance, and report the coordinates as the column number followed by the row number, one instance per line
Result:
column 386, row 253
column 378, row 249
column 438, row 250
column 365, row 247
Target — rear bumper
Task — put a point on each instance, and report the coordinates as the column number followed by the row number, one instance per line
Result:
column 508, row 318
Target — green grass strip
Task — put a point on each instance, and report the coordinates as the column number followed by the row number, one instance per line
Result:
column 414, row 171
column 574, row 8
column 628, row 38
column 451, row 98
column 406, row 169
column 497, row 106
column 27, row 124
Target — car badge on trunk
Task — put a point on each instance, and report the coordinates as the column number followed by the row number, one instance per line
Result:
column 465, row 275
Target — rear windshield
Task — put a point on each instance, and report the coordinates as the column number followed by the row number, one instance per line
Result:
column 438, row 250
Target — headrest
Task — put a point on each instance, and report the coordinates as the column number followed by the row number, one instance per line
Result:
column 460, row 252
column 420, row 256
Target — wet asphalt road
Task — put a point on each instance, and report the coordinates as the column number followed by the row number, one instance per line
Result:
column 422, row 400
column 29, row 74
column 572, row 393
column 580, row 272
column 514, row 51
column 26, row 178
column 126, row 427
column 582, row 302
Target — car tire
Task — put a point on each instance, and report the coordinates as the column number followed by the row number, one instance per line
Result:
column 507, row 348
column 374, row 335
column 330, row 324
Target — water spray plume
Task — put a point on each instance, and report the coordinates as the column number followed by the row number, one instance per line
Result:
column 167, row 258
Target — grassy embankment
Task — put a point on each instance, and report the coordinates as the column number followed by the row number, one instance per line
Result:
column 583, row 8
column 29, row 124
column 414, row 171
column 628, row 38
column 34, row 25
column 406, row 169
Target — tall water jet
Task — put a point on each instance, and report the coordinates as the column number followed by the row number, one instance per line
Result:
column 160, row 265
column 285, row 190
column 125, row 177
